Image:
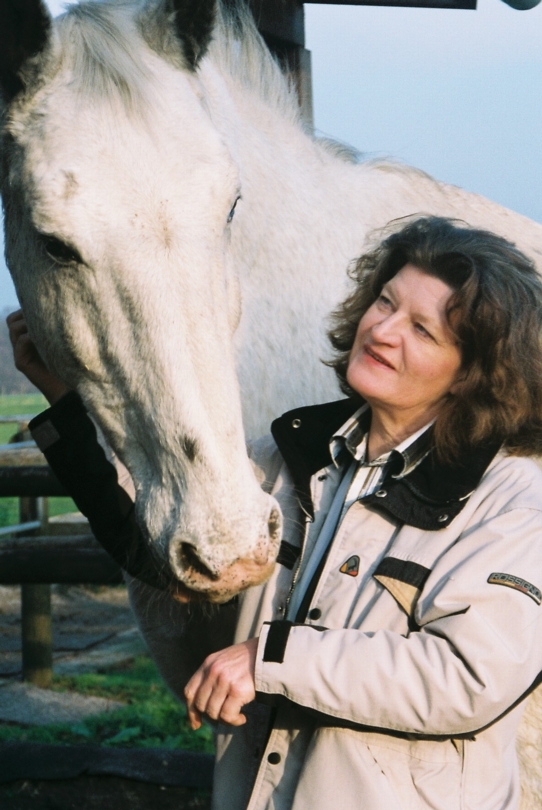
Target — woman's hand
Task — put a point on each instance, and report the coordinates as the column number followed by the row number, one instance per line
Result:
column 28, row 361
column 223, row 685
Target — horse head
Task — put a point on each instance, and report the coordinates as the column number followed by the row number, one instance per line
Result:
column 119, row 196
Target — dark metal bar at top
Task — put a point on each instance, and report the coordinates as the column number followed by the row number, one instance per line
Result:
column 283, row 20
column 468, row 5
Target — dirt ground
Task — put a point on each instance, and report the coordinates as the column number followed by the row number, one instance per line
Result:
column 99, row 793
column 83, row 618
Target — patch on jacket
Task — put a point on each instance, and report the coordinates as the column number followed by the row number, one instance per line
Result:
column 403, row 579
column 351, row 566
column 45, row 435
column 517, row 583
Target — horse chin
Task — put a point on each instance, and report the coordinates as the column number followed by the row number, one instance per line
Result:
column 195, row 586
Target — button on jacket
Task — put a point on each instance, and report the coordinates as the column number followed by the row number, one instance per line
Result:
column 400, row 684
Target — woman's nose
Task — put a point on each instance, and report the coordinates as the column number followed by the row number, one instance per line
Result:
column 388, row 329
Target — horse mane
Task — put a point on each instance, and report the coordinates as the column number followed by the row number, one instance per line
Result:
column 239, row 51
column 99, row 40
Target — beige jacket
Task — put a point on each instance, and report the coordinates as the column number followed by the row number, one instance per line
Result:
column 407, row 700
column 402, row 690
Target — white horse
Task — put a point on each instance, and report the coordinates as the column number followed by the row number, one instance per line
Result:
column 131, row 130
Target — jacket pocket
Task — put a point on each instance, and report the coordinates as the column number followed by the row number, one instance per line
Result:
column 426, row 774
column 373, row 771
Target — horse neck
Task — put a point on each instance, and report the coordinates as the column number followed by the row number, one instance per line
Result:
column 305, row 215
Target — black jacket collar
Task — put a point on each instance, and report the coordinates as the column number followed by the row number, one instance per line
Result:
column 429, row 497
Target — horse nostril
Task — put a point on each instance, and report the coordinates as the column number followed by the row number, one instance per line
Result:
column 189, row 560
column 275, row 524
column 267, row 543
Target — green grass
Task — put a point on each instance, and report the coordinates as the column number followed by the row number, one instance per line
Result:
column 15, row 404
column 152, row 718
column 18, row 405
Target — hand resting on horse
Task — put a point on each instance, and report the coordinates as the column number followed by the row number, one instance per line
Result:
column 28, row 361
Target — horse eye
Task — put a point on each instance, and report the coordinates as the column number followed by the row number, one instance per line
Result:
column 60, row 252
column 232, row 212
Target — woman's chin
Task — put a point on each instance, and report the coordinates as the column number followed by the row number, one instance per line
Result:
column 368, row 385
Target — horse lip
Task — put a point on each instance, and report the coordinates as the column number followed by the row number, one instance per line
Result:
column 369, row 349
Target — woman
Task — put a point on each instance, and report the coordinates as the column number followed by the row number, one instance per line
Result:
column 391, row 649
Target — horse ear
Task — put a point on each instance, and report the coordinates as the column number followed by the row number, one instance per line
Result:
column 194, row 21
column 25, row 27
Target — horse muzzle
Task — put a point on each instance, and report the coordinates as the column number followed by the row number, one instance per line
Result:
column 202, row 574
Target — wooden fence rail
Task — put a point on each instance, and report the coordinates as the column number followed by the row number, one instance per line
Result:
column 47, row 560
column 37, row 561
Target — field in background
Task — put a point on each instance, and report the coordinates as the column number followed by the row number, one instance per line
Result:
column 18, row 405
column 23, row 405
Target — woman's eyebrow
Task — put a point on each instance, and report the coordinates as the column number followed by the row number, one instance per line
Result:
column 387, row 289
column 434, row 323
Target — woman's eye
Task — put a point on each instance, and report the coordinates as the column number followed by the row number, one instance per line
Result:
column 423, row 331
column 384, row 301
column 232, row 212
column 60, row 252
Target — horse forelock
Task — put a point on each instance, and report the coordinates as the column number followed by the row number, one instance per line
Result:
column 100, row 44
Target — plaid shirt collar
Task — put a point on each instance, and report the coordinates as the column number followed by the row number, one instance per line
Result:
column 351, row 441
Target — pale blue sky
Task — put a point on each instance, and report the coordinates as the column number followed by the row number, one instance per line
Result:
column 456, row 93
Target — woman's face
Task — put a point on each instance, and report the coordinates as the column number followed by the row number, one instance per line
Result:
column 405, row 358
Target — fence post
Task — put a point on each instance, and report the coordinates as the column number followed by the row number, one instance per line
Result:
column 36, row 621
column 37, row 634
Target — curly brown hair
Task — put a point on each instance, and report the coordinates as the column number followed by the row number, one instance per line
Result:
column 495, row 313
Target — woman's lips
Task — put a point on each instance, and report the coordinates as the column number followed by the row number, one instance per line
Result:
column 377, row 357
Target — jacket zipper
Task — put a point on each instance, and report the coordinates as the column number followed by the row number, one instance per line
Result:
column 308, row 521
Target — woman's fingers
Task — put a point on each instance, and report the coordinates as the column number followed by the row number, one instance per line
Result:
column 17, row 315
column 212, row 693
column 223, row 685
column 194, row 718
column 190, row 694
column 27, row 359
column 17, row 327
column 231, row 713
column 206, row 691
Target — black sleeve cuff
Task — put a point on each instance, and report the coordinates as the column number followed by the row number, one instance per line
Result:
column 277, row 639
column 48, row 426
column 70, row 403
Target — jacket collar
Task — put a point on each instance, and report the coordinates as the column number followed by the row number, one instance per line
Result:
column 429, row 497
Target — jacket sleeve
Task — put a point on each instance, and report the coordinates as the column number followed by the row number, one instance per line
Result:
column 477, row 651
column 67, row 437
